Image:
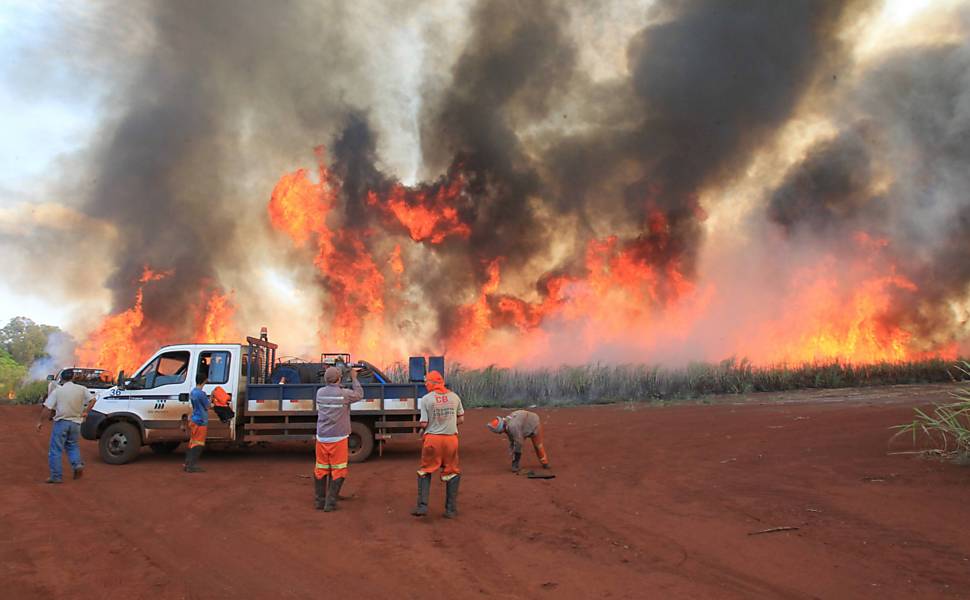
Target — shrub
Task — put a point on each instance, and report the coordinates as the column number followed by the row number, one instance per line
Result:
column 946, row 426
column 32, row 392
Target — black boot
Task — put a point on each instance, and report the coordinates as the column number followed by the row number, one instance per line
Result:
column 515, row 461
column 424, row 488
column 332, row 492
column 320, row 490
column 451, row 497
column 192, row 460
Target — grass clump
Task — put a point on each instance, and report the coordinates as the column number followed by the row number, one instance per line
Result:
column 946, row 427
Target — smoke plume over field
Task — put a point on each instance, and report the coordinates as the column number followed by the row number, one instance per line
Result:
column 525, row 183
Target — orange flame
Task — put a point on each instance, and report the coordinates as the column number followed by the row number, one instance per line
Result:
column 427, row 215
column 114, row 344
column 124, row 340
column 300, row 209
column 631, row 294
column 217, row 324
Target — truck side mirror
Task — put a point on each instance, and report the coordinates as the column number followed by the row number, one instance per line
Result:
column 121, row 379
column 50, row 378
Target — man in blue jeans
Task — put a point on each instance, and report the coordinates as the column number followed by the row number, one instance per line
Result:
column 66, row 403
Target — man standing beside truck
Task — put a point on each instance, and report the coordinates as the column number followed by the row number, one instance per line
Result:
column 441, row 413
column 66, row 402
column 198, row 424
column 333, row 430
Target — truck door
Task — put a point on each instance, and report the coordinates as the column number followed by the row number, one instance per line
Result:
column 159, row 394
column 219, row 366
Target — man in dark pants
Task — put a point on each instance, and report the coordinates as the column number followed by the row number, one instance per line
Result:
column 198, row 424
column 66, row 402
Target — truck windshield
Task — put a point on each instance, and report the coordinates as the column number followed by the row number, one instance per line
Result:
column 167, row 368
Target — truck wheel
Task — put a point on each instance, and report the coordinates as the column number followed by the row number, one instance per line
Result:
column 164, row 447
column 119, row 443
column 361, row 441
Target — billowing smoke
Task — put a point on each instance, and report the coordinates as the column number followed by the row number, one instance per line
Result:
column 59, row 353
column 898, row 170
column 486, row 184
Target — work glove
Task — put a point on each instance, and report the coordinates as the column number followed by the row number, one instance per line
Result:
column 515, row 461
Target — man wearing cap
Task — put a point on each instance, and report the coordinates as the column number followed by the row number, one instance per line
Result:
column 333, row 428
column 517, row 426
column 441, row 413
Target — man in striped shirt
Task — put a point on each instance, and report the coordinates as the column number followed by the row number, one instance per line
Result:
column 333, row 428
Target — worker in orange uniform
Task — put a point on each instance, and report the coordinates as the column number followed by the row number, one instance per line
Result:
column 220, row 404
column 198, row 423
column 333, row 428
column 517, row 426
column 441, row 413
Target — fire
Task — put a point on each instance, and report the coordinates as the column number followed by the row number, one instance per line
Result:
column 829, row 319
column 125, row 339
column 217, row 323
column 301, row 209
column 113, row 344
column 428, row 214
column 631, row 296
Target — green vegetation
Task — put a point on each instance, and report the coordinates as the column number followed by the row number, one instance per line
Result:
column 33, row 392
column 11, row 373
column 597, row 384
column 22, row 344
column 946, row 427
column 25, row 340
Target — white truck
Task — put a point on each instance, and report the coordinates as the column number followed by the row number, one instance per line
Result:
column 150, row 407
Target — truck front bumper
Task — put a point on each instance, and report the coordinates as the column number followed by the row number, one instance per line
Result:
column 89, row 428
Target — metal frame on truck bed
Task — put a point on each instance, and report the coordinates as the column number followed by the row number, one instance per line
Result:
column 151, row 407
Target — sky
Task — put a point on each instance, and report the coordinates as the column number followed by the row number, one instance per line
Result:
column 38, row 128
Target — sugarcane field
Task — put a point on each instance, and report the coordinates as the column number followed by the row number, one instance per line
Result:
column 485, row 299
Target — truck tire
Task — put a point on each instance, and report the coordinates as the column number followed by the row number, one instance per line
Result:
column 361, row 441
column 164, row 447
column 119, row 443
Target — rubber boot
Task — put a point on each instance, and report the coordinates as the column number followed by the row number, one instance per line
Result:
column 320, row 491
column 332, row 492
column 516, row 457
column 451, row 497
column 192, row 460
column 424, row 489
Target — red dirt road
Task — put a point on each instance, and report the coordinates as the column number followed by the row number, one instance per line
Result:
column 649, row 502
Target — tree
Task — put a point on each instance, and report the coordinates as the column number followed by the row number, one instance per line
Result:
column 11, row 373
column 24, row 340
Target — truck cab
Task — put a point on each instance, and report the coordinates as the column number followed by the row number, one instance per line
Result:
column 152, row 406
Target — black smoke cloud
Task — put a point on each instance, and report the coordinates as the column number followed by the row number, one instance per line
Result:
column 707, row 86
column 829, row 188
column 547, row 153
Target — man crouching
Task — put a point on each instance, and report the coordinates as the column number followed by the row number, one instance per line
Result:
column 517, row 426
column 333, row 428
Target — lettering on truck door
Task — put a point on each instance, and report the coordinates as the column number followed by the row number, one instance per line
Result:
column 159, row 395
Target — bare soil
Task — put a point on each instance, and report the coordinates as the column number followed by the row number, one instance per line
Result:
column 648, row 502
